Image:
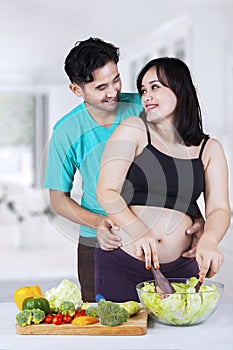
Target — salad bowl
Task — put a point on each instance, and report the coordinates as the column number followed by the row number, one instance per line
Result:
column 185, row 307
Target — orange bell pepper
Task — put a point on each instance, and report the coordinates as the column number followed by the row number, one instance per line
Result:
column 84, row 320
column 26, row 292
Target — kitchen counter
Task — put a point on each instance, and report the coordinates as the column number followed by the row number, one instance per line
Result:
column 215, row 333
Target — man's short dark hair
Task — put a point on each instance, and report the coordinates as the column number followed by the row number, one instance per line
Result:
column 88, row 55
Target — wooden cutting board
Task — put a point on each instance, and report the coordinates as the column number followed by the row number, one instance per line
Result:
column 136, row 325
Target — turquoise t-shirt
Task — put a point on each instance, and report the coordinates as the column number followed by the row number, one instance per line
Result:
column 77, row 144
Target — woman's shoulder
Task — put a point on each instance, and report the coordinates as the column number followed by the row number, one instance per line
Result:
column 213, row 148
column 131, row 128
column 133, row 122
column 213, row 144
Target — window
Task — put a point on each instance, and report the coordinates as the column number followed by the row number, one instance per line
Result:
column 180, row 49
column 23, row 134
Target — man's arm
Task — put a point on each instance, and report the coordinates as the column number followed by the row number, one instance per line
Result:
column 64, row 205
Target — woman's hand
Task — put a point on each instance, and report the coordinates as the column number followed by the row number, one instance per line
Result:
column 145, row 247
column 209, row 258
column 108, row 240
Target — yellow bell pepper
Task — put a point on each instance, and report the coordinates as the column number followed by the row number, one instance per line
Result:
column 26, row 292
column 84, row 320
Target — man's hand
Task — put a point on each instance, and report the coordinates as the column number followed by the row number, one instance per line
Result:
column 108, row 240
column 196, row 231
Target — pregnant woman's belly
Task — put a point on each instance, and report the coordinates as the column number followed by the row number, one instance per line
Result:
column 169, row 229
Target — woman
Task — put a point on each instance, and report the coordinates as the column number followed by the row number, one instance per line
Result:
column 153, row 170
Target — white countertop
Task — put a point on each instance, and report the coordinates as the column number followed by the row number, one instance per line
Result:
column 214, row 334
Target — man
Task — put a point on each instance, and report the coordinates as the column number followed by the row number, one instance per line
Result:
column 77, row 144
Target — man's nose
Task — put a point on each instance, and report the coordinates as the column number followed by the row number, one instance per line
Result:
column 111, row 91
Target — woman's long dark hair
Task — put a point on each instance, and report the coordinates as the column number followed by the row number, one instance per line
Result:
column 174, row 73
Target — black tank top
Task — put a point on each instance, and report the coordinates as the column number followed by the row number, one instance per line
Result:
column 157, row 179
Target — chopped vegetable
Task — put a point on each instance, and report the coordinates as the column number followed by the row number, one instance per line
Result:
column 67, row 307
column 27, row 317
column 36, row 303
column 66, row 290
column 111, row 314
column 84, row 320
column 37, row 316
column 92, row 311
column 133, row 307
column 26, row 292
column 85, row 305
column 24, row 318
column 183, row 307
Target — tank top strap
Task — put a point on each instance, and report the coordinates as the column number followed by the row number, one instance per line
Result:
column 143, row 117
column 206, row 138
column 148, row 133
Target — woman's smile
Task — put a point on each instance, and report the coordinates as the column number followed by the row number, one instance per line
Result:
column 150, row 106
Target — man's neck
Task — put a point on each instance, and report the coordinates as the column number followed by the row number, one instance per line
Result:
column 101, row 117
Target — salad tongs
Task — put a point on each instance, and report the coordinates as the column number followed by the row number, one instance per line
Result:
column 162, row 284
column 198, row 285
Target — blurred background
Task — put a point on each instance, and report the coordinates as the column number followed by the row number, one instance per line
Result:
column 35, row 37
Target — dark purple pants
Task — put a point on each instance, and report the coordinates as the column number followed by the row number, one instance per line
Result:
column 117, row 273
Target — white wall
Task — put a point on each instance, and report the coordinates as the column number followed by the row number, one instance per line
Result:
column 209, row 67
column 61, row 101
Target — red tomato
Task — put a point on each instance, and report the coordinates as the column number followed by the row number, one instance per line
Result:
column 59, row 316
column 57, row 320
column 67, row 318
column 79, row 313
column 49, row 319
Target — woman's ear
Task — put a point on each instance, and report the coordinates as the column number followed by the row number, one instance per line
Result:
column 76, row 89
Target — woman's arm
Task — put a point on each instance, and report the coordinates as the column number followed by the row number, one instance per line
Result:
column 119, row 153
column 217, row 209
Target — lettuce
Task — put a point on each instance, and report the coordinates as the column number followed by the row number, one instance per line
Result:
column 185, row 307
column 65, row 291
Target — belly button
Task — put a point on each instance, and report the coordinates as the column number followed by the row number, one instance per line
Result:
column 159, row 240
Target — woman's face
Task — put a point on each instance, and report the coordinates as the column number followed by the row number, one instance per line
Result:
column 158, row 100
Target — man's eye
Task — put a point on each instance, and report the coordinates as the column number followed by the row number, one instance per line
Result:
column 101, row 88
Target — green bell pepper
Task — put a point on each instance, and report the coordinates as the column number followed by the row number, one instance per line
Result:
column 36, row 303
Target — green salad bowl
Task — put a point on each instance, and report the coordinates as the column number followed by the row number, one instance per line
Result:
column 185, row 307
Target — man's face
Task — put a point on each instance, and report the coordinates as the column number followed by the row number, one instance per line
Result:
column 103, row 92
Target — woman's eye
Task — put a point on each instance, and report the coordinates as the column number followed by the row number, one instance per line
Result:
column 143, row 92
column 155, row 86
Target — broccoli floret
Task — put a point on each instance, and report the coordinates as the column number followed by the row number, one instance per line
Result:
column 92, row 311
column 67, row 307
column 37, row 315
column 111, row 314
column 24, row 318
